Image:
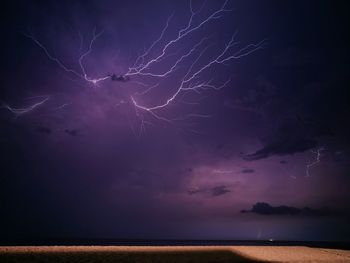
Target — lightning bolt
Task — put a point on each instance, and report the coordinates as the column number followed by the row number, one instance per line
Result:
column 82, row 75
column 310, row 165
column 20, row 111
column 193, row 80
column 190, row 81
column 182, row 33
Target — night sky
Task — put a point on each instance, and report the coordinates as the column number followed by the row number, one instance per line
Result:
column 260, row 150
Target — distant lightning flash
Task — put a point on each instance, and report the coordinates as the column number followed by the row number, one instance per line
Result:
column 193, row 79
column 20, row 111
column 63, row 106
column 318, row 154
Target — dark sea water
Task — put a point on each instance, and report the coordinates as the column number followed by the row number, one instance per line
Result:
column 159, row 242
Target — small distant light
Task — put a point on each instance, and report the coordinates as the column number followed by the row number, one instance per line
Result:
column 271, row 240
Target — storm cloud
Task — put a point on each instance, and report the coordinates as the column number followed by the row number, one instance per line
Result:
column 262, row 208
column 212, row 191
column 286, row 146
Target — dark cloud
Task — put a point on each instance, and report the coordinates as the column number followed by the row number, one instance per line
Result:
column 283, row 161
column 213, row 191
column 194, row 191
column 73, row 132
column 219, row 190
column 293, row 134
column 339, row 156
column 220, row 146
column 261, row 208
column 283, row 147
column 248, row 171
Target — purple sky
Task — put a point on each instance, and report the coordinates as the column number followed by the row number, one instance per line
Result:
column 78, row 165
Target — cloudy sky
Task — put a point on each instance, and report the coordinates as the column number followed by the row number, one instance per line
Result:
column 133, row 155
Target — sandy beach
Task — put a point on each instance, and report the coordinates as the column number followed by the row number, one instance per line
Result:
column 171, row 254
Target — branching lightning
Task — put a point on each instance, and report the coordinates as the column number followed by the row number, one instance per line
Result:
column 82, row 75
column 310, row 165
column 193, row 79
column 190, row 81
